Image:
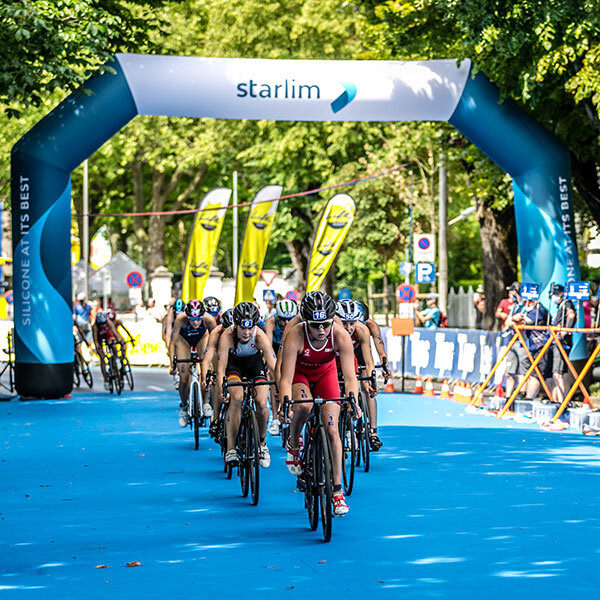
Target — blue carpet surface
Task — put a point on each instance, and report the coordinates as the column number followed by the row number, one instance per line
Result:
column 456, row 506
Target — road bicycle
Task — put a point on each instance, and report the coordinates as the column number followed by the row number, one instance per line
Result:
column 126, row 372
column 81, row 369
column 112, row 364
column 316, row 480
column 10, row 361
column 194, row 399
column 247, row 442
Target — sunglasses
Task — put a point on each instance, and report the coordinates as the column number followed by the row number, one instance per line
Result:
column 194, row 318
column 320, row 324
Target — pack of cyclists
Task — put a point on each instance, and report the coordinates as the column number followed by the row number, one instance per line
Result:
column 300, row 352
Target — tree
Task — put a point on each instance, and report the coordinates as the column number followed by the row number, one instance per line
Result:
column 57, row 45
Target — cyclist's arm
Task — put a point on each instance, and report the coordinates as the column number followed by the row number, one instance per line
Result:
column 364, row 338
column 225, row 345
column 114, row 331
column 263, row 343
column 343, row 345
column 119, row 324
column 174, row 335
column 209, row 353
column 270, row 328
column 288, row 356
column 377, row 338
column 97, row 343
column 209, row 322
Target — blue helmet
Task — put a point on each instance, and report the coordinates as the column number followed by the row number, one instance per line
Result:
column 178, row 306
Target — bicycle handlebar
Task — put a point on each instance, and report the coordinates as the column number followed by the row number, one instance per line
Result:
column 319, row 402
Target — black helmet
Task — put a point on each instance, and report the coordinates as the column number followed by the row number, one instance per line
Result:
column 364, row 311
column 227, row 318
column 317, row 306
column 246, row 315
column 194, row 309
column 212, row 305
column 348, row 310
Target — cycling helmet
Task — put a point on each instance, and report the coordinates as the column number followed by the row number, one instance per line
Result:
column 212, row 305
column 348, row 310
column 246, row 315
column 286, row 309
column 227, row 318
column 317, row 306
column 364, row 311
column 101, row 317
column 178, row 306
column 194, row 309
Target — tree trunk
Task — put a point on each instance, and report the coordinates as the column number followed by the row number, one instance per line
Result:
column 499, row 246
column 299, row 253
column 330, row 279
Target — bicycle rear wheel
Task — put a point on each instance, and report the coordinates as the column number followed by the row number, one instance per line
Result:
column 195, row 413
column 84, row 368
column 349, row 449
column 76, row 377
column 116, row 374
column 323, row 478
column 126, row 370
column 242, row 449
column 365, row 446
column 252, row 448
column 311, row 498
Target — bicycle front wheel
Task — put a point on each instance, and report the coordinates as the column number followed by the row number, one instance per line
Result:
column 349, row 449
column 84, row 368
column 244, row 442
column 323, row 478
column 365, row 446
column 116, row 374
column 127, row 374
column 195, row 397
column 252, row 457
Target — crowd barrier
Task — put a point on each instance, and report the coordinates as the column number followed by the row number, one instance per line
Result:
column 463, row 354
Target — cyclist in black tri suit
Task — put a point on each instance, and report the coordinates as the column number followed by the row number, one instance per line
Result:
column 213, row 308
column 242, row 348
column 190, row 333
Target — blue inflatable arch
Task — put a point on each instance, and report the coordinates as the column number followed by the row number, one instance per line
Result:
column 289, row 90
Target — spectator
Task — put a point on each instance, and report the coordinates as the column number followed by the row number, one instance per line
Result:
column 82, row 310
column 503, row 310
column 431, row 317
column 154, row 311
column 517, row 356
column 417, row 313
column 479, row 304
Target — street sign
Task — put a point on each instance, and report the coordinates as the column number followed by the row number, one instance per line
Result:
column 269, row 296
column 405, row 268
column 425, row 272
column 424, row 248
column 405, row 292
column 530, row 291
column 578, row 290
column 135, row 279
column 268, row 276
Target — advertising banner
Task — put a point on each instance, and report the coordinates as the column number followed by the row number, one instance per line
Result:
column 331, row 233
column 100, row 250
column 462, row 354
column 256, row 240
column 203, row 243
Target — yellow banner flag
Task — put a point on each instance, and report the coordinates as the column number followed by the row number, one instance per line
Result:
column 256, row 240
column 331, row 233
column 100, row 249
column 204, row 239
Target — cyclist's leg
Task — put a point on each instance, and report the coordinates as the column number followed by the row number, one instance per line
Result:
column 182, row 351
column 102, row 356
column 262, row 410
column 328, row 387
column 234, row 412
column 301, row 412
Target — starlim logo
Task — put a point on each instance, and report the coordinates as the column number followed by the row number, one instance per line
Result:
column 290, row 89
column 199, row 270
column 344, row 98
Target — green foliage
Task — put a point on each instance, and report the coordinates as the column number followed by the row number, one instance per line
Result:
column 56, row 45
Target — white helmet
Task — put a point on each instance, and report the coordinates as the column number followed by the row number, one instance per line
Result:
column 286, row 309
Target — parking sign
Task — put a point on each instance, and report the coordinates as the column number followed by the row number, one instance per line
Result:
column 425, row 272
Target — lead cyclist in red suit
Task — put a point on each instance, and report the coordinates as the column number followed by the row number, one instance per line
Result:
column 104, row 330
column 309, row 370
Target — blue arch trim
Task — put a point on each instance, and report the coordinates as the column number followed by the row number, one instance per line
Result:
column 541, row 171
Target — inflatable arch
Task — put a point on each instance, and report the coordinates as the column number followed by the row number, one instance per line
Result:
column 288, row 90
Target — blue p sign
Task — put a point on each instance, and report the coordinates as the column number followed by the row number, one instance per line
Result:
column 425, row 272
